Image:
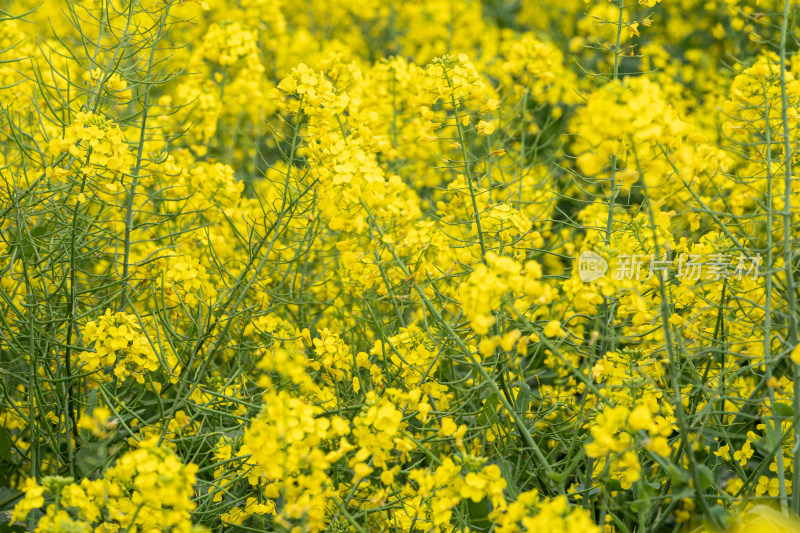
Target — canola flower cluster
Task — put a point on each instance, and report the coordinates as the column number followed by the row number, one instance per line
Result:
column 317, row 266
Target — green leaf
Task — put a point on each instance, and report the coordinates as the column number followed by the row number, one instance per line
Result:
column 91, row 401
column 90, row 458
column 8, row 498
column 489, row 413
column 506, row 470
column 677, row 475
column 5, row 443
column 706, row 477
column 523, row 398
column 723, row 515
column 782, row 409
column 478, row 513
column 644, row 496
column 38, row 231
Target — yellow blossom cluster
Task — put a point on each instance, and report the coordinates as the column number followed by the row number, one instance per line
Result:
column 93, row 144
column 483, row 291
column 147, row 489
column 119, row 345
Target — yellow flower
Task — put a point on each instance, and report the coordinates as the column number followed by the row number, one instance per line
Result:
column 640, row 418
column 724, row 453
column 769, row 486
column 553, row 329
column 796, row 355
column 744, row 454
column 473, row 487
column 34, row 498
column 485, row 128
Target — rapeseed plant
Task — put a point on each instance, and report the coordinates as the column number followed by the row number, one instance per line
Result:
column 399, row 266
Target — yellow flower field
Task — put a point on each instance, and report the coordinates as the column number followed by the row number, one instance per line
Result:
column 420, row 266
